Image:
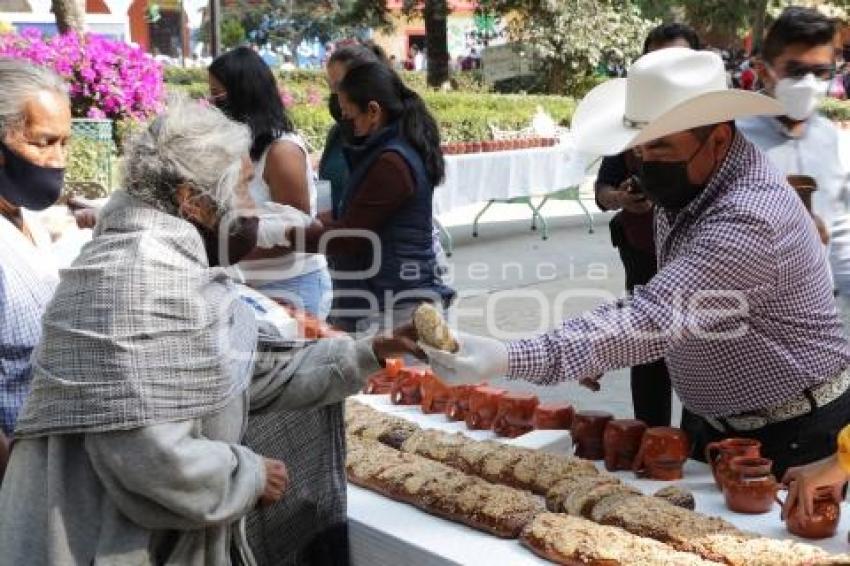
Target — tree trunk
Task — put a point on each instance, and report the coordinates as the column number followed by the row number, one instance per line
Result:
column 70, row 15
column 557, row 77
column 760, row 9
column 436, row 14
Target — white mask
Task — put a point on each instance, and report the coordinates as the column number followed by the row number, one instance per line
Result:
column 800, row 97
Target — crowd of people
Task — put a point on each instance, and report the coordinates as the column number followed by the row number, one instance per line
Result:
column 158, row 406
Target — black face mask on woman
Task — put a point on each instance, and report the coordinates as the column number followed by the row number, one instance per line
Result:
column 241, row 240
column 667, row 184
column 26, row 184
column 334, row 108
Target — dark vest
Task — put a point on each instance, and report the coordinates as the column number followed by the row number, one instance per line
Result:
column 406, row 268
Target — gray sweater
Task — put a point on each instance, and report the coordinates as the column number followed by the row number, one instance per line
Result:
column 173, row 493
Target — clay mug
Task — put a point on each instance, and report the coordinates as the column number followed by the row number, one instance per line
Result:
column 405, row 389
column 457, row 406
column 483, row 407
column 381, row 382
column 823, row 522
column 588, row 431
column 719, row 454
column 621, row 443
column 663, row 451
column 805, row 186
column 515, row 413
column 749, row 487
column 435, row 394
column 557, row 416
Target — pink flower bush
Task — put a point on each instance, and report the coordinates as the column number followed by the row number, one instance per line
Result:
column 106, row 78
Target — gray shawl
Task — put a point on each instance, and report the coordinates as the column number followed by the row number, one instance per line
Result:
column 140, row 331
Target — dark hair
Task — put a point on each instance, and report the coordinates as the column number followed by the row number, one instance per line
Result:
column 252, row 96
column 377, row 82
column 665, row 33
column 797, row 25
column 357, row 54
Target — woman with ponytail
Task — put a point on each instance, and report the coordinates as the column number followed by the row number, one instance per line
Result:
column 388, row 265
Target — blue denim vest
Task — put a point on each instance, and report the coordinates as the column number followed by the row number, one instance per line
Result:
column 406, row 268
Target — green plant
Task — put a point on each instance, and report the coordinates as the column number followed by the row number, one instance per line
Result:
column 836, row 110
column 232, row 33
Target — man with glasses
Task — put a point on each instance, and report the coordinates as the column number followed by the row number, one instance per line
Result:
column 797, row 67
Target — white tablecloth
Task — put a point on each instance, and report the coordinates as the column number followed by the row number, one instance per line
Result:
column 385, row 532
column 478, row 177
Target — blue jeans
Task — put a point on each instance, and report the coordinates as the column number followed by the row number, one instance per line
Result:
column 311, row 292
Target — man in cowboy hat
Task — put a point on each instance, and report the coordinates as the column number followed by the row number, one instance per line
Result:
column 741, row 307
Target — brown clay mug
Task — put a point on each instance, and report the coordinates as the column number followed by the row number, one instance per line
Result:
column 749, row 487
column 823, row 522
column 719, row 454
column 663, row 451
column 805, row 186
column 458, row 404
column 588, row 431
column 621, row 443
column 435, row 394
column 515, row 413
column 483, row 407
column 557, row 416
column 381, row 382
column 406, row 388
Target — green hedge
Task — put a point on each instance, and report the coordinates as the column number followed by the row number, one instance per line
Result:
column 463, row 114
column 837, row 110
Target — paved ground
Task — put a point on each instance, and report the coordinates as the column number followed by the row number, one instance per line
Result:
column 512, row 284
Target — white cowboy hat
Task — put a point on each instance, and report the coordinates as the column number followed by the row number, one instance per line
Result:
column 667, row 91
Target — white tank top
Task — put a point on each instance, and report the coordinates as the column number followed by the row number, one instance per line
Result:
column 261, row 271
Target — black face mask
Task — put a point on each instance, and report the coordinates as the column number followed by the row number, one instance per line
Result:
column 26, row 184
column 334, row 107
column 241, row 240
column 666, row 183
column 223, row 104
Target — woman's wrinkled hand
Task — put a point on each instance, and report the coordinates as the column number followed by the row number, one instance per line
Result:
column 402, row 340
column 277, row 481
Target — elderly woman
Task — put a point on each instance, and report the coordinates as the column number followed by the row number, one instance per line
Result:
column 128, row 448
column 35, row 124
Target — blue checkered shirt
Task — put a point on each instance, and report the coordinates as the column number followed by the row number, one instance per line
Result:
column 741, row 308
column 24, row 295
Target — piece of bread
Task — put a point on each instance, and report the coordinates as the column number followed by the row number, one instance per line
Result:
column 748, row 550
column 439, row 489
column 656, row 518
column 437, row 445
column 575, row 541
column 606, row 504
column 678, row 496
column 558, row 494
column 365, row 422
column 432, row 328
column 582, row 503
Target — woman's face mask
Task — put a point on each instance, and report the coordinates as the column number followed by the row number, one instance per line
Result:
column 231, row 241
column 28, row 185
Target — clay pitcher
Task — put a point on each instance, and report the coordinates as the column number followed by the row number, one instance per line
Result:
column 719, row 454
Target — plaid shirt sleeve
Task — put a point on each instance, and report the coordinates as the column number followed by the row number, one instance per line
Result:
column 729, row 266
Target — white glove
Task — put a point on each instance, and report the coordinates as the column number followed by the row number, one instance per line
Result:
column 275, row 221
column 478, row 359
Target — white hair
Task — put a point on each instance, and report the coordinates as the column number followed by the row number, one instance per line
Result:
column 188, row 143
column 20, row 81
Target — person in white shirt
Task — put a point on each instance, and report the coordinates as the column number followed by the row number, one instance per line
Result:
column 313, row 516
column 35, row 126
column 798, row 63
